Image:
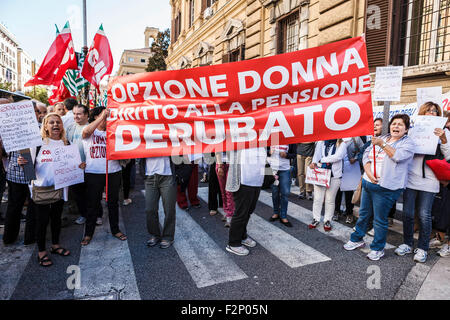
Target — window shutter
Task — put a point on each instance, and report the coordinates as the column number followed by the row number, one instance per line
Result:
column 225, row 58
column 377, row 39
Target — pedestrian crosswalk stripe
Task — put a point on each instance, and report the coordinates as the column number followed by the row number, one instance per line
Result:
column 396, row 227
column 206, row 262
column 13, row 261
column 281, row 244
column 106, row 266
column 339, row 231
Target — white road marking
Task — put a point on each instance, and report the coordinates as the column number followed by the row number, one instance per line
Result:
column 281, row 244
column 106, row 266
column 206, row 262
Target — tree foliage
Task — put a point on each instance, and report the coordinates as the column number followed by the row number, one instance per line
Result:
column 39, row 94
column 6, row 86
column 159, row 48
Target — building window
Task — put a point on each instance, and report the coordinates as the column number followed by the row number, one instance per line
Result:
column 288, row 33
column 191, row 12
column 143, row 60
column 424, row 30
column 130, row 59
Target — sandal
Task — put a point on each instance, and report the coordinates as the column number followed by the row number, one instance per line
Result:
column 43, row 260
column 60, row 250
column 86, row 240
column 120, row 236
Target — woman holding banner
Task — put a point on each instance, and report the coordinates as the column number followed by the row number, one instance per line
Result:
column 420, row 191
column 329, row 154
column 386, row 163
column 94, row 143
column 47, row 201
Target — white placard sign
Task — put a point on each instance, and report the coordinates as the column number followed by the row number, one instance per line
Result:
column 423, row 133
column 388, row 84
column 66, row 160
column 433, row 94
column 318, row 176
column 19, row 128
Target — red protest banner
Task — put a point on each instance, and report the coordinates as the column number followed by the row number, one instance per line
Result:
column 314, row 94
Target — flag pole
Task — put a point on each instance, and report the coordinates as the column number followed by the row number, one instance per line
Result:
column 85, row 49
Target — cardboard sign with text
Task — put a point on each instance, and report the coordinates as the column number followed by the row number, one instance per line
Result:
column 66, row 160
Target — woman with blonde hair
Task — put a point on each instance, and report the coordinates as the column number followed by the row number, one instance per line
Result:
column 420, row 190
column 328, row 154
column 47, row 201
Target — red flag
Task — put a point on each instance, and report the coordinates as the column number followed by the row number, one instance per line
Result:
column 59, row 94
column 99, row 61
column 60, row 57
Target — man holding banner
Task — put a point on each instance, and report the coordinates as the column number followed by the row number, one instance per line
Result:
column 319, row 94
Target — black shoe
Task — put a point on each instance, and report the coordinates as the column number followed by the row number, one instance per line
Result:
column 272, row 219
column 153, row 242
column 287, row 224
column 165, row 244
column 302, row 196
column 197, row 206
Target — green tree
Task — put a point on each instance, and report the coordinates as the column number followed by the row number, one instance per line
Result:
column 6, row 86
column 39, row 94
column 159, row 48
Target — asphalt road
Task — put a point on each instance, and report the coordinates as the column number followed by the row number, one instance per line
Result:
column 287, row 264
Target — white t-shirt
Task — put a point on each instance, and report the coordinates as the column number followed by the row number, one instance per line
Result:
column 379, row 156
column 95, row 152
column 158, row 165
column 276, row 162
column 74, row 134
column 253, row 162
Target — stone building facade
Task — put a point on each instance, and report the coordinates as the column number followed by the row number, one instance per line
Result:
column 136, row 60
column 412, row 33
column 8, row 57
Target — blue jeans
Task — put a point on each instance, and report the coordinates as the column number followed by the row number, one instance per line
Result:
column 424, row 201
column 280, row 193
column 376, row 201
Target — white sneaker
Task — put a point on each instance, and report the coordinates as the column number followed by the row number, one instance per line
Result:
column 375, row 255
column 249, row 242
column 350, row 245
column 127, row 202
column 371, row 232
column 436, row 243
column 445, row 251
column 354, row 228
column 240, row 251
column 420, row 255
column 80, row 220
column 403, row 249
column 99, row 221
column 228, row 222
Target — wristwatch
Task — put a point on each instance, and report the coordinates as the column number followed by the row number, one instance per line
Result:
column 383, row 145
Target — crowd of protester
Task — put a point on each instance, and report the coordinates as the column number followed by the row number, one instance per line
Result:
column 386, row 166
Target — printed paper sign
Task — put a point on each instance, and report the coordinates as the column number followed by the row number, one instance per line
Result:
column 433, row 94
column 309, row 95
column 66, row 160
column 19, row 128
column 388, row 84
column 318, row 176
column 423, row 133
